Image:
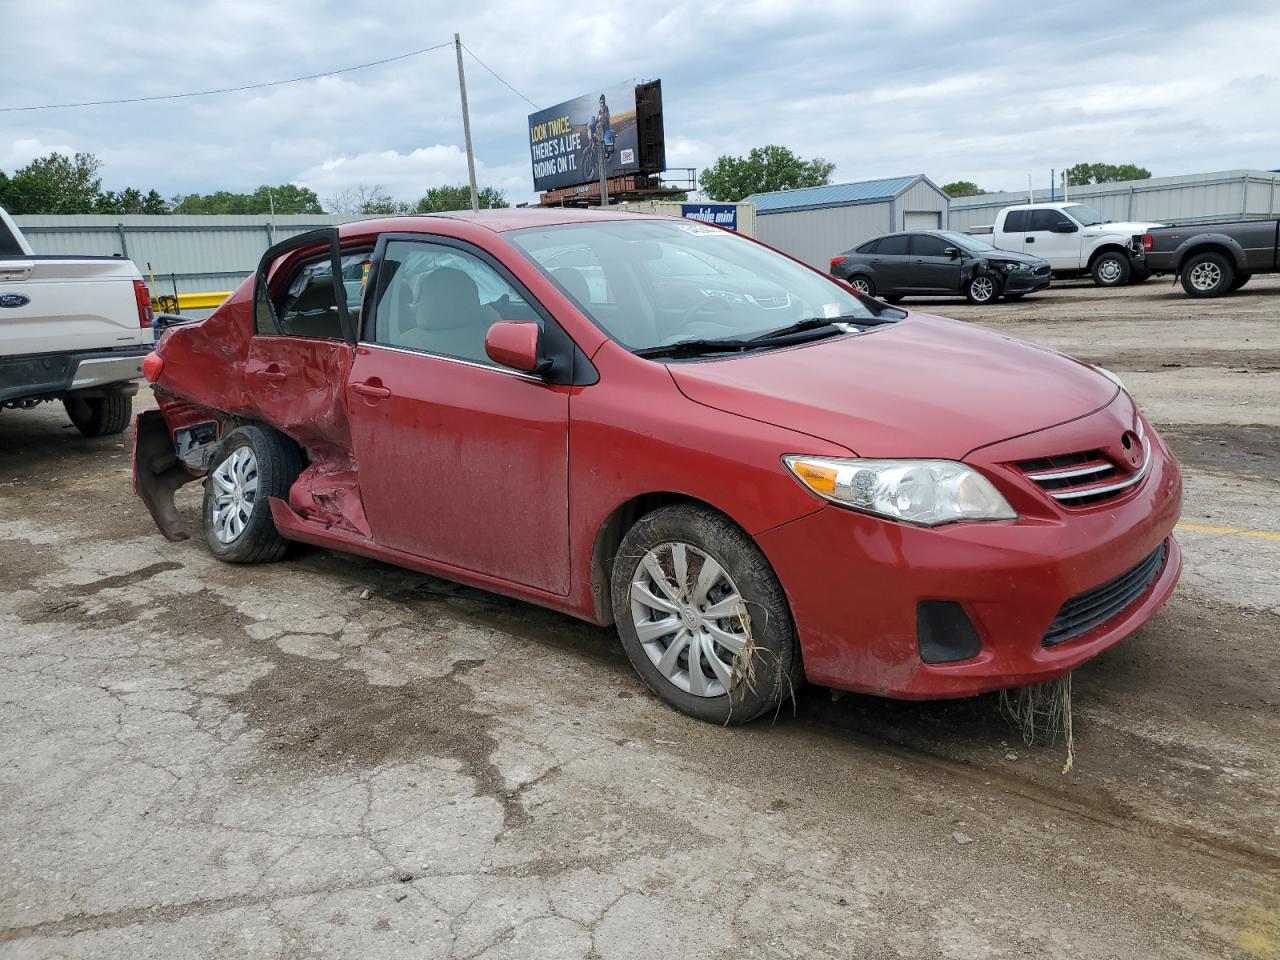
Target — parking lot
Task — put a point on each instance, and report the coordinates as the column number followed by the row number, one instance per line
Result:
column 330, row 756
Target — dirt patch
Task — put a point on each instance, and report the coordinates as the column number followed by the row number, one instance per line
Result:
column 317, row 715
column 1249, row 451
column 1159, row 357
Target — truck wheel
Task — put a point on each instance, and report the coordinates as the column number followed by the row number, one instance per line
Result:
column 702, row 616
column 862, row 284
column 1208, row 275
column 252, row 465
column 100, row 416
column 1111, row 269
column 984, row 288
column 1241, row 279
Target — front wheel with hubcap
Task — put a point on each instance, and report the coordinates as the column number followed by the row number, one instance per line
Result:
column 252, row 465
column 1110, row 269
column 702, row 616
column 983, row 288
column 1208, row 275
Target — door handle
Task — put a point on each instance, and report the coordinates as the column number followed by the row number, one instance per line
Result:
column 368, row 389
column 1031, row 239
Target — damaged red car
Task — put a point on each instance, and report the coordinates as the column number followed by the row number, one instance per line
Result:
column 757, row 474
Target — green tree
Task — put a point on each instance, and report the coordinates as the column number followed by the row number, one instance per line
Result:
column 129, row 200
column 962, row 188
column 54, row 184
column 1083, row 174
column 764, row 169
column 442, row 199
column 287, row 198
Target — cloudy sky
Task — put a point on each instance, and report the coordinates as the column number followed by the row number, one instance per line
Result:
column 988, row 92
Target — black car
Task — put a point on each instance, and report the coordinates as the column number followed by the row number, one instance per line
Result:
column 939, row 263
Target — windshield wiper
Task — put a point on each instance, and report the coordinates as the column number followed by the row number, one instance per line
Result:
column 698, row 346
column 800, row 326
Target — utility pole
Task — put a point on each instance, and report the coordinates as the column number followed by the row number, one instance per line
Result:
column 466, row 125
column 604, row 173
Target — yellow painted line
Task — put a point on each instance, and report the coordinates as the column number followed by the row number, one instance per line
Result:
column 1233, row 531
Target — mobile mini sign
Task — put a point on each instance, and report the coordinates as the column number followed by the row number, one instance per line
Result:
column 567, row 140
column 721, row 214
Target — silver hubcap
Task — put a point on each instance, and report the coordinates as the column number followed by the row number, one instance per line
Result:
column 1109, row 270
column 860, row 285
column 983, row 288
column 1206, row 276
column 690, row 618
column 235, row 490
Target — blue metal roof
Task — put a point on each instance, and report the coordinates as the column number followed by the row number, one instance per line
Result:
column 833, row 195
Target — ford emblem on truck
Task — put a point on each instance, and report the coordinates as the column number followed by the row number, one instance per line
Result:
column 14, row 300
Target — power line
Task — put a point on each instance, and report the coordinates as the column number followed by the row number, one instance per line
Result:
column 247, row 86
column 499, row 79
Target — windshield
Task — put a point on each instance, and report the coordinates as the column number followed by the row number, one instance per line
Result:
column 1085, row 214
column 967, row 242
column 651, row 283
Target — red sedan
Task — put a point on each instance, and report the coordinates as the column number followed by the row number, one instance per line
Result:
column 757, row 474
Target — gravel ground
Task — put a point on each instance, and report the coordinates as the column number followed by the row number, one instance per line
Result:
column 329, row 757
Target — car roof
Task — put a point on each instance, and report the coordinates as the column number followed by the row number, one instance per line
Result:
column 499, row 221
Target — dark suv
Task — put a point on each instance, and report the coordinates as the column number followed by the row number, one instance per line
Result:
column 939, row 263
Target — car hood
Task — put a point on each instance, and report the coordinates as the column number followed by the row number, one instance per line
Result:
column 1006, row 256
column 1127, row 228
column 922, row 387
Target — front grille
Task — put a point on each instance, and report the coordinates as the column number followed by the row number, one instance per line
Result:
column 1084, row 478
column 1083, row 613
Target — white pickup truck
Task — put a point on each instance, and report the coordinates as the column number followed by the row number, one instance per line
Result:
column 1076, row 240
column 73, row 329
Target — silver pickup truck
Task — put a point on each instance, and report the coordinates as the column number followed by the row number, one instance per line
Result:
column 73, row 329
column 1213, row 259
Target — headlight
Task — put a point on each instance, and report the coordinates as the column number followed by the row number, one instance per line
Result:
column 1015, row 266
column 1110, row 376
column 928, row 492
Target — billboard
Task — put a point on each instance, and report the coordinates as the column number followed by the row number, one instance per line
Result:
column 721, row 214
column 563, row 139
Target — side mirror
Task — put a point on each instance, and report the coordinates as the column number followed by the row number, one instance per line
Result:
column 951, row 252
column 514, row 344
column 1063, row 226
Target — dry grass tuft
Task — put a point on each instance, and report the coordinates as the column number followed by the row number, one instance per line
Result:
column 1042, row 713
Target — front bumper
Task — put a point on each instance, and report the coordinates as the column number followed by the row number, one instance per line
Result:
column 51, row 375
column 1024, row 281
column 855, row 584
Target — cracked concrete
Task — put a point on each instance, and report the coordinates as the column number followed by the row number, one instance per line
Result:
column 217, row 761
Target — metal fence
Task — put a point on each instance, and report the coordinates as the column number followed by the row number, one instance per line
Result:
column 1196, row 198
column 183, row 253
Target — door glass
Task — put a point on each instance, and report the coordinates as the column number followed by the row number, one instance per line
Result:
column 1015, row 221
column 893, row 246
column 442, row 300
column 308, row 308
column 1046, row 220
column 927, row 245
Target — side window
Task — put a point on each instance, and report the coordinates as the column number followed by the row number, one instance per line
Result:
column 927, row 245
column 440, row 299
column 307, row 307
column 869, row 247
column 1046, row 219
column 893, row 246
column 1015, row 221
column 8, row 242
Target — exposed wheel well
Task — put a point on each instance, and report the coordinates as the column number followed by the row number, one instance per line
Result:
column 1207, row 248
column 1108, row 248
column 610, row 535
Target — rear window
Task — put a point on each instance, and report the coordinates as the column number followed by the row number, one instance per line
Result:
column 893, row 246
column 1015, row 221
column 869, row 246
column 8, row 242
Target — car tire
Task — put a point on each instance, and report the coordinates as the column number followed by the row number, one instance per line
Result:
column 1241, row 279
column 748, row 658
column 864, row 285
column 1208, row 275
column 100, row 416
column 252, row 465
column 1110, row 269
column 983, row 288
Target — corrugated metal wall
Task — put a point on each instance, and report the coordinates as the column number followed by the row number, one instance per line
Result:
column 206, row 253
column 919, row 198
column 815, row 236
column 1195, row 198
